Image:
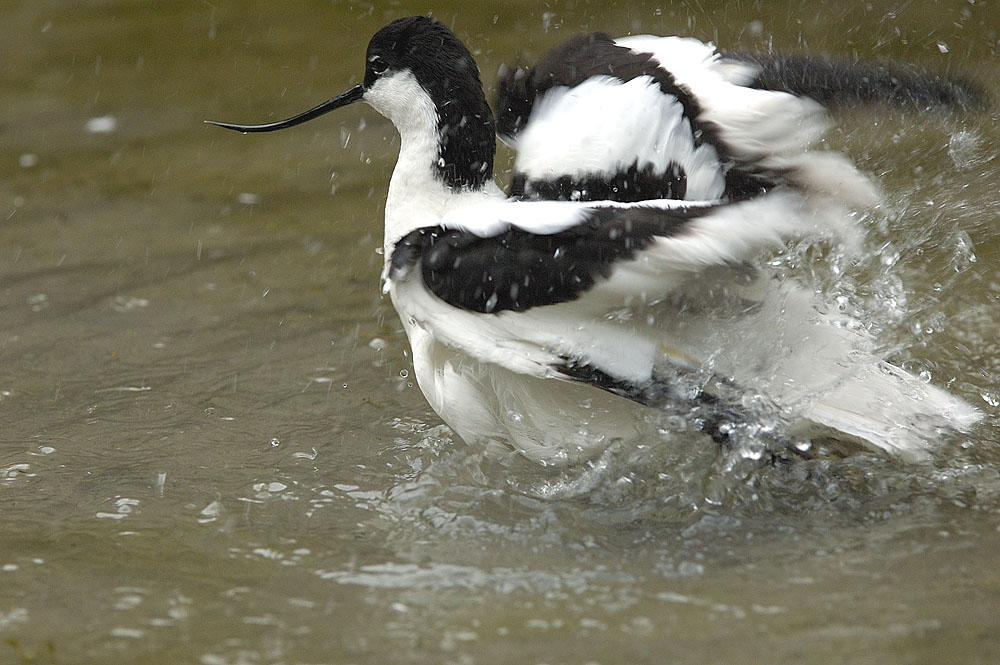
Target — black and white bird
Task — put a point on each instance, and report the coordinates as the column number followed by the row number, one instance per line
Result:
column 619, row 271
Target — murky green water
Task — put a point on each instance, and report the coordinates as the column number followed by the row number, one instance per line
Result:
column 211, row 449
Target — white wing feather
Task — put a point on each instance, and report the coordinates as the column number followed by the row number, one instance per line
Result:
column 605, row 126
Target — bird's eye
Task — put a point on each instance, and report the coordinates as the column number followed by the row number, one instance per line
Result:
column 377, row 65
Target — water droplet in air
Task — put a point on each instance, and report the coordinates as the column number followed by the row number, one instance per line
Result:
column 965, row 253
column 964, row 149
column 104, row 124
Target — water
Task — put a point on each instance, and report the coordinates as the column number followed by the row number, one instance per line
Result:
column 212, row 450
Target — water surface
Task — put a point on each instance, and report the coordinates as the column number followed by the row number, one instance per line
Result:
column 212, row 449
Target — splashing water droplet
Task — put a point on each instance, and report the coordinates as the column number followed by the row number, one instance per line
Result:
column 964, row 149
column 965, row 254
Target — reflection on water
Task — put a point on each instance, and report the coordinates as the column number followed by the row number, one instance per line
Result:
column 212, row 451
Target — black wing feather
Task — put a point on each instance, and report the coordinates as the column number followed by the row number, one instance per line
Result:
column 516, row 270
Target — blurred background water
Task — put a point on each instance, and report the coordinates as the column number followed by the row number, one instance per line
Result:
column 212, row 449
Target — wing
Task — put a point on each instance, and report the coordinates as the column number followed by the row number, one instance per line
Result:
column 518, row 269
column 658, row 117
column 560, row 289
column 500, row 258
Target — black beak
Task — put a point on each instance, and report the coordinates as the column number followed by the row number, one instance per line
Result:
column 353, row 95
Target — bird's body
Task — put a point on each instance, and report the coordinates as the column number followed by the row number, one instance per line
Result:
column 619, row 275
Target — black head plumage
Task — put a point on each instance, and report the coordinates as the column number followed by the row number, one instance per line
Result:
column 443, row 66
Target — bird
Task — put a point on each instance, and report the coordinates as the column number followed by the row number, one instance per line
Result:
column 620, row 276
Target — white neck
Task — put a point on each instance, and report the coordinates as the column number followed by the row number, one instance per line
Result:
column 417, row 195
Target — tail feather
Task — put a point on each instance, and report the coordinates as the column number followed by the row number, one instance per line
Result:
column 832, row 81
column 886, row 408
column 817, row 374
